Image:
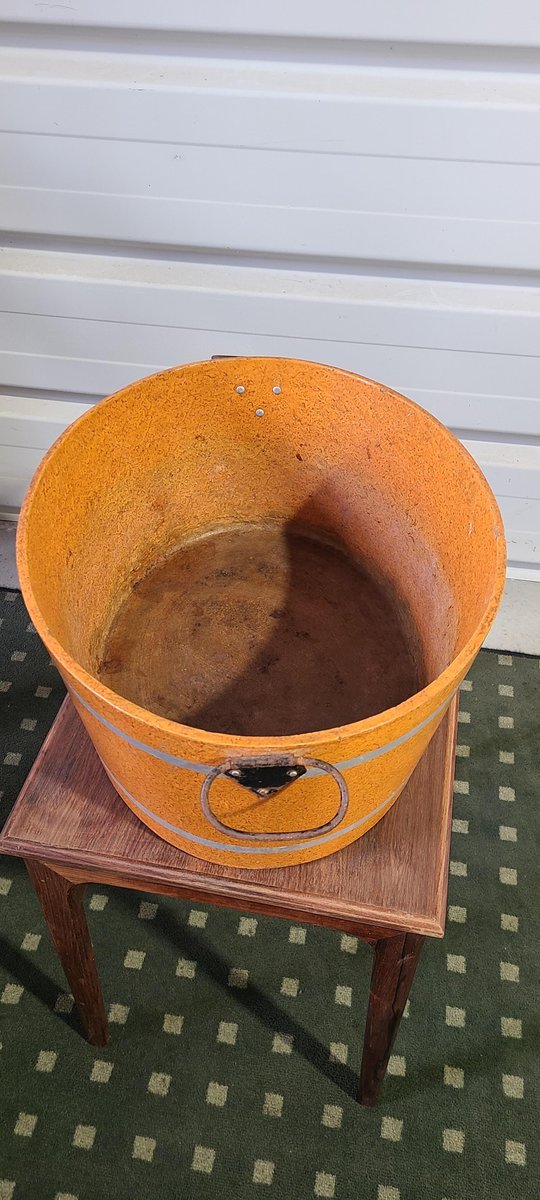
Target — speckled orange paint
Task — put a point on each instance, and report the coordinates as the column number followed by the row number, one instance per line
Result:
column 184, row 451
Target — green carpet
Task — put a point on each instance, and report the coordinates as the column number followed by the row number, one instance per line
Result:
column 235, row 1042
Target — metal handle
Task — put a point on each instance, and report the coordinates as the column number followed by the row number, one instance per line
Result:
column 276, row 773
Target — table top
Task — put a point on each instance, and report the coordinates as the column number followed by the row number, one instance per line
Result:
column 392, row 878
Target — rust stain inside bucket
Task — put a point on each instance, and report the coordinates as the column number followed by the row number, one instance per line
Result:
column 262, row 631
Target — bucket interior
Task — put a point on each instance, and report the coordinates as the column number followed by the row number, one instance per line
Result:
column 294, row 556
column 262, row 630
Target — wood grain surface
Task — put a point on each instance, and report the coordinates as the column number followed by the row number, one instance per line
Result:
column 63, row 909
column 394, row 964
column 392, row 878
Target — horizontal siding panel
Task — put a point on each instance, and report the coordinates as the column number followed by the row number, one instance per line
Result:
column 21, row 465
column 474, row 365
column 27, row 428
column 512, row 470
column 506, row 415
column 35, row 424
column 227, row 175
column 361, row 111
column 461, row 214
column 419, row 20
column 522, row 524
column 97, row 356
column 482, row 319
column 13, row 488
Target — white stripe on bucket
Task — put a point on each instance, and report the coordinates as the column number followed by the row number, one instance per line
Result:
column 175, row 761
column 256, row 847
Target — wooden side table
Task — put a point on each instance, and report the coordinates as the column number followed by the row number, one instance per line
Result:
column 388, row 888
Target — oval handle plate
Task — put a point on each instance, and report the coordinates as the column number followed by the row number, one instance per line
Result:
column 293, row 769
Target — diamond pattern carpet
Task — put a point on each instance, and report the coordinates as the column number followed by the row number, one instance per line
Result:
column 235, row 1041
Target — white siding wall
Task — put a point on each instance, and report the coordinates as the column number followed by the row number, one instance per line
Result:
column 350, row 182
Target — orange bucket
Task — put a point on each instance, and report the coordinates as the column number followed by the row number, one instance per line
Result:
column 262, row 581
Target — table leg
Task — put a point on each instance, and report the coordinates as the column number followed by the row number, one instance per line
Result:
column 62, row 905
column 394, row 964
